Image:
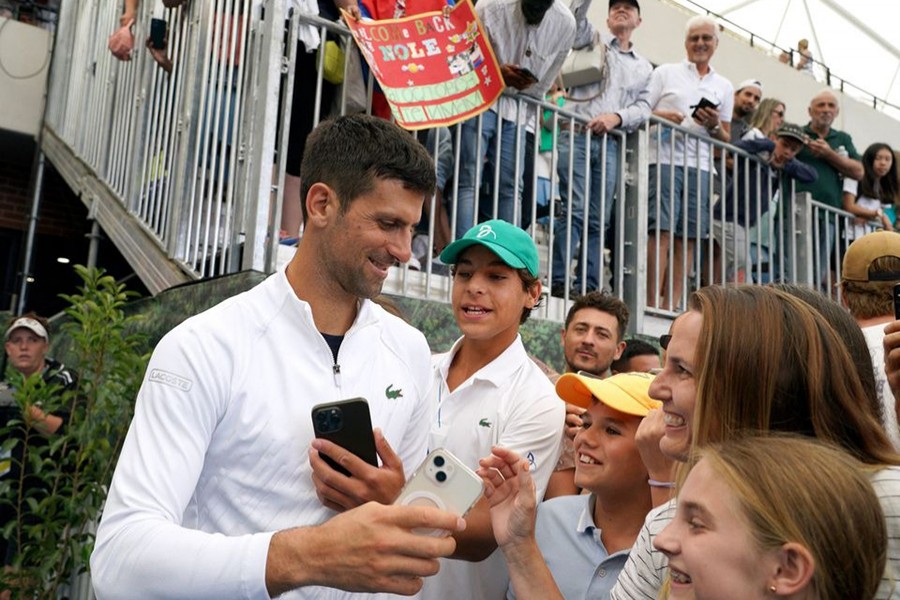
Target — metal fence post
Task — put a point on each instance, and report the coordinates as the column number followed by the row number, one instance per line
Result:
column 635, row 209
column 258, row 248
column 804, row 238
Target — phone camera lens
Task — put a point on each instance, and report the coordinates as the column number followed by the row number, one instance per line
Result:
column 440, row 476
column 439, row 462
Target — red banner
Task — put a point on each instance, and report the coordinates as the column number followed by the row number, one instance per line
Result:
column 435, row 68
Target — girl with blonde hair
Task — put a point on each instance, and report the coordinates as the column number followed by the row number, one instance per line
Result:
column 773, row 526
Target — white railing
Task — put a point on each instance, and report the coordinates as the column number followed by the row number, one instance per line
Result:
column 189, row 153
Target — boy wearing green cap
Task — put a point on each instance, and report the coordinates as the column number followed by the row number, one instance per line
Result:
column 488, row 392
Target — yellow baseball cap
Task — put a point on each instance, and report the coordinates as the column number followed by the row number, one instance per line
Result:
column 624, row 392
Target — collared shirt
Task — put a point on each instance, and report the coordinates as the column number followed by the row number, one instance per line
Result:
column 678, row 86
column 628, row 76
column 828, row 189
column 540, row 48
column 886, row 483
column 509, row 402
column 573, row 549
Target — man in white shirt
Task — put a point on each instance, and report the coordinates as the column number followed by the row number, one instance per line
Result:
column 489, row 392
column 612, row 103
column 675, row 93
column 531, row 39
column 220, row 490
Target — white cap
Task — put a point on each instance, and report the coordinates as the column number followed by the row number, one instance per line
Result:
column 750, row 83
column 30, row 324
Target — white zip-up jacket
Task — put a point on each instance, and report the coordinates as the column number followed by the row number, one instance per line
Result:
column 216, row 458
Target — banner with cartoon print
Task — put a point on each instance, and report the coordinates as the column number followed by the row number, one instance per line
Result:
column 435, row 68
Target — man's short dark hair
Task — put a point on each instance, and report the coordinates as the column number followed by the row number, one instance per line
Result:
column 350, row 153
column 633, row 347
column 604, row 303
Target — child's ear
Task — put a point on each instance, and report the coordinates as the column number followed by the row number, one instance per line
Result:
column 796, row 566
column 534, row 294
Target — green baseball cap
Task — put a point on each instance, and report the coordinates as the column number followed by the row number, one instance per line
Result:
column 510, row 243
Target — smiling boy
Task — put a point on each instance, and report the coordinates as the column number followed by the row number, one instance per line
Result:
column 489, row 393
column 585, row 539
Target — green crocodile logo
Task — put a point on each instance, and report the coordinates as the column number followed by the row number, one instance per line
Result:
column 484, row 422
column 392, row 394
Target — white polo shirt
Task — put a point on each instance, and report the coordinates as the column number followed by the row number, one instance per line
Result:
column 678, row 86
column 509, row 403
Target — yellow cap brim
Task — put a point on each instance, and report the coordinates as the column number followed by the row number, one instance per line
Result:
column 625, row 392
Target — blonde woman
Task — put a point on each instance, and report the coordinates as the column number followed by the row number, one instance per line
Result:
column 767, row 119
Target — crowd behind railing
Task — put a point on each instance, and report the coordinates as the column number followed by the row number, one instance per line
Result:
column 629, row 184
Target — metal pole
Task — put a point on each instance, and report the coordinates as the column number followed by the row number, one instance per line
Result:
column 25, row 273
column 94, row 237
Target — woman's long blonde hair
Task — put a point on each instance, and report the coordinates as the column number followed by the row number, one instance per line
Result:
column 769, row 362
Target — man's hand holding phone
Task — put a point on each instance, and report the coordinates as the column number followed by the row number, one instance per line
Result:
column 365, row 483
column 374, row 548
column 517, row 77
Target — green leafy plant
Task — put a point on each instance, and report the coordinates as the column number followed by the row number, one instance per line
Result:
column 57, row 498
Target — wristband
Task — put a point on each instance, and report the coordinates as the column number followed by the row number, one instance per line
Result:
column 660, row 484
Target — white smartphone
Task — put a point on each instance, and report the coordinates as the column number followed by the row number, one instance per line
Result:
column 443, row 481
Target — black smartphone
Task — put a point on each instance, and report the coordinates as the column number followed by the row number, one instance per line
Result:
column 348, row 424
column 158, row 33
column 897, row 301
column 527, row 74
column 704, row 103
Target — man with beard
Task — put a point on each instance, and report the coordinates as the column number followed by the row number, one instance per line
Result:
column 220, row 490
column 746, row 99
